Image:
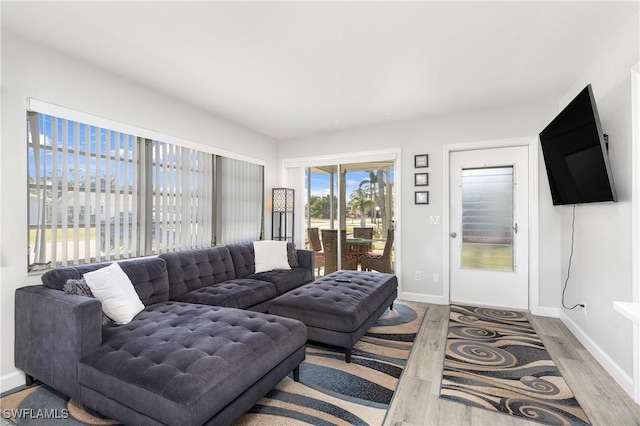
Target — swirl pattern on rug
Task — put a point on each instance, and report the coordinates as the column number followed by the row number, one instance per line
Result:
column 332, row 392
column 495, row 360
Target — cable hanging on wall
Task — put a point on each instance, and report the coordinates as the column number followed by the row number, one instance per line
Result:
column 573, row 231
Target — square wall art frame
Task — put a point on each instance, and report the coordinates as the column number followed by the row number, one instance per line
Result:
column 421, row 160
column 422, row 197
column 421, row 179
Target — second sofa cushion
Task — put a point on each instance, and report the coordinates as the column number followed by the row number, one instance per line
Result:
column 191, row 270
column 241, row 293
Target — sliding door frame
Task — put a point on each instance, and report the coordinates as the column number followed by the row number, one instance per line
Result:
column 293, row 178
column 635, row 171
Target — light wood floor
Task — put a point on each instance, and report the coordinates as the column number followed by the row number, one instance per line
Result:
column 417, row 402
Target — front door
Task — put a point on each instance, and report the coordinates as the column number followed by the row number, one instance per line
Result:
column 489, row 227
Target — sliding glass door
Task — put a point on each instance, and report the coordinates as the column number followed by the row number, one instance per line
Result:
column 354, row 201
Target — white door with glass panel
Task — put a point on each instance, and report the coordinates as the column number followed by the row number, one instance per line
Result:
column 489, row 227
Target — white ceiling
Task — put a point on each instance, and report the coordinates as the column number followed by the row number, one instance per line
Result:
column 293, row 69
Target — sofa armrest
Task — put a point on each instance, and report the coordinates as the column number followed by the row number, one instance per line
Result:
column 306, row 259
column 54, row 330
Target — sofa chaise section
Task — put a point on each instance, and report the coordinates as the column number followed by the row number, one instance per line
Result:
column 174, row 363
column 54, row 330
column 187, row 364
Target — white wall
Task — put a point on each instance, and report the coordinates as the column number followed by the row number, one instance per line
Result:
column 601, row 269
column 602, row 265
column 422, row 243
column 28, row 70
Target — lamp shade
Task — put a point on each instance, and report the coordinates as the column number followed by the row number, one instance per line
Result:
column 282, row 200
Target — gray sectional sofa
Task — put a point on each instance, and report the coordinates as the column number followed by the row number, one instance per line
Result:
column 202, row 351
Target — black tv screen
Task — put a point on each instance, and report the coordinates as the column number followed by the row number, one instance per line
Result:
column 575, row 154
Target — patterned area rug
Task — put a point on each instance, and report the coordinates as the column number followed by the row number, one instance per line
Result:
column 495, row 360
column 330, row 391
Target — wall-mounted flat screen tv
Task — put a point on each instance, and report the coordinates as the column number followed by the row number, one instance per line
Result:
column 575, row 154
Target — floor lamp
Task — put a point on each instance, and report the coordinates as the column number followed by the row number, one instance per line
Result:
column 282, row 212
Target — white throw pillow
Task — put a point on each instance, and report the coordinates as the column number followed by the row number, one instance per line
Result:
column 111, row 286
column 270, row 255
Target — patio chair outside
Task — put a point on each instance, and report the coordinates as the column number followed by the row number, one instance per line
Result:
column 364, row 233
column 330, row 243
column 379, row 262
column 316, row 246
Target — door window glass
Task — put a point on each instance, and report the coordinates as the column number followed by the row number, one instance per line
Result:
column 487, row 219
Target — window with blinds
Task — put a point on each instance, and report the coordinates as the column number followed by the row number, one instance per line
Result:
column 240, row 199
column 182, row 198
column 97, row 194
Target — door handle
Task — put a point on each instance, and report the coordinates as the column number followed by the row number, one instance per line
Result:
column 453, row 235
column 515, row 227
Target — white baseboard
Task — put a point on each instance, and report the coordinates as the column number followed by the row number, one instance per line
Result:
column 424, row 298
column 11, row 381
column 544, row 311
column 618, row 374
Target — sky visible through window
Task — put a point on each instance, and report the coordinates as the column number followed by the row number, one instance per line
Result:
column 119, row 147
column 320, row 182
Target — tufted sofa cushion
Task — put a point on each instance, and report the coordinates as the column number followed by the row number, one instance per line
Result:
column 244, row 262
column 243, row 259
column 178, row 362
column 332, row 304
column 149, row 277
column 239, row 293
column 195, row 269
column 284, row 280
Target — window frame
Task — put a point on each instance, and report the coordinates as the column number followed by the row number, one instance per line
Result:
column 143, row 184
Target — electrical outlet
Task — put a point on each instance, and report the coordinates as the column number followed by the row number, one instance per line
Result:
column 584, row 308
column 418, row 276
